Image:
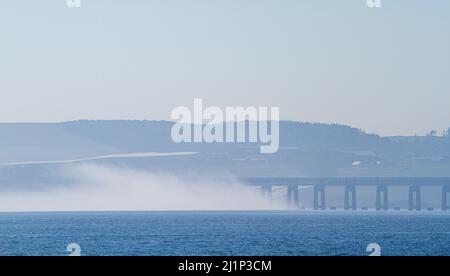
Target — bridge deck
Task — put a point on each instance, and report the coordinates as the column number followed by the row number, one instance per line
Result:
column 342, row 181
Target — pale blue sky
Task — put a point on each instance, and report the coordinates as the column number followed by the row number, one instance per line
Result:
column 384, row 70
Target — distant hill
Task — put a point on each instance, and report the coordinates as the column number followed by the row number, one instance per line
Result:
column 308, row 149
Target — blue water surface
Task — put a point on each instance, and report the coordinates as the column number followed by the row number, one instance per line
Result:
column 225, row 233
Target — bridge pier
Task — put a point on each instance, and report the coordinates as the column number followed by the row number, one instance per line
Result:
column 266, row 191
column 292, row 197
column 350, row 197
column 445, row 197
column 319, row 197
column 382, row 198
column 414, row 198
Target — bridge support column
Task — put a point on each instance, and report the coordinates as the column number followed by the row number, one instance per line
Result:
column 319, row 197
column 350, row 197
column 382, row 198
column 445, row 197
column 266, row 191
column 414, row 198
column 292, row 196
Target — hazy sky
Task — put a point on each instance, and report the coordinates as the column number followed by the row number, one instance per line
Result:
column 385, row 70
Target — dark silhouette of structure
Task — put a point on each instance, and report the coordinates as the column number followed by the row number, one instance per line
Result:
column 350, row 197
column 414, row 198
column 445, row 197
column 350, row 184
column 319, row 197
column 382, row 201
column 293, row 196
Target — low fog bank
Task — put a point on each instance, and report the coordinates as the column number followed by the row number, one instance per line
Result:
column 111, row 188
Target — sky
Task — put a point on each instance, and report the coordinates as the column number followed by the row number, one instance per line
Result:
column 385, row 70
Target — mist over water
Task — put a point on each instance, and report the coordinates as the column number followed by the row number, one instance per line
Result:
column 109, row 188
